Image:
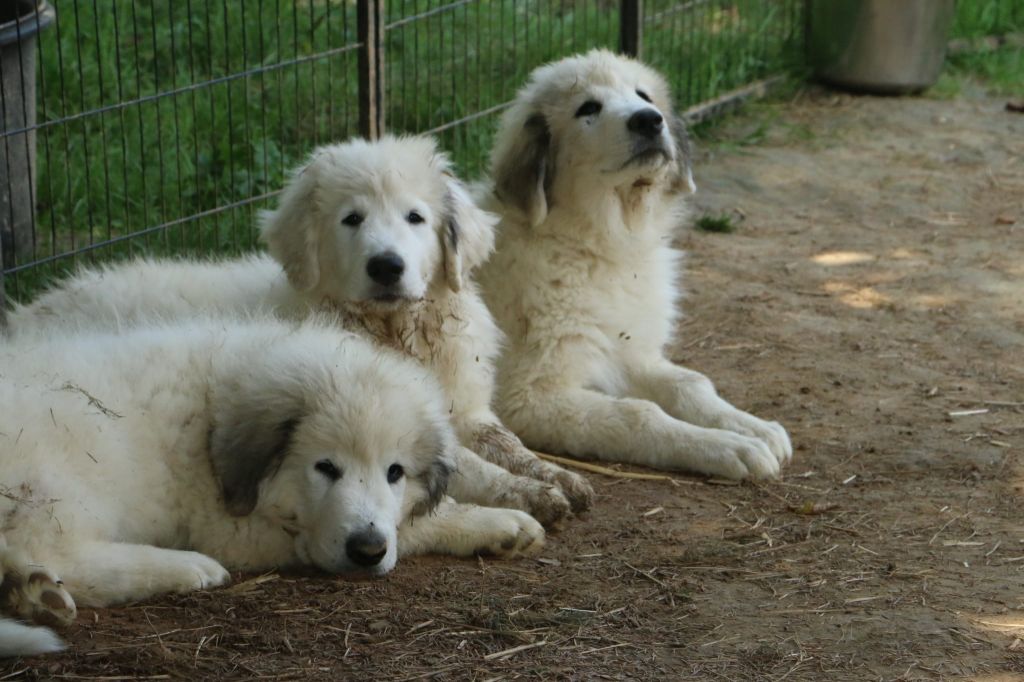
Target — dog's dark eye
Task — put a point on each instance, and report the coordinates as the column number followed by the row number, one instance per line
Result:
column 328, row 469
column 414, row 217
column 589, row 108
column 352, row 219
column 644, row 96
column 395, row 472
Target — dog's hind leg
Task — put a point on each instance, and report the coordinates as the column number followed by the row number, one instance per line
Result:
column 32, row 591
column 105, row 573
column 497, row 444
column 691, row 396
column 468, row 530
column 587, row 423
column 480, row 482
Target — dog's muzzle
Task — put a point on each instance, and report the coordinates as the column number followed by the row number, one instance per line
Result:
column 646, row 123
column 648, row 153
column 385, row 268
column 647, row 127
column 366, row 548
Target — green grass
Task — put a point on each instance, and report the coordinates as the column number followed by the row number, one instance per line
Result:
column 975, row 18
column 721, row 223
column 182, row 136
column 1001, row 70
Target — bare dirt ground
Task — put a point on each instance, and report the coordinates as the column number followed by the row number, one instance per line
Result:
column 874, row 290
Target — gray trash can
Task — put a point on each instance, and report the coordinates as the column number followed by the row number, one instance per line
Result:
column 881, row 46
column 20, row 21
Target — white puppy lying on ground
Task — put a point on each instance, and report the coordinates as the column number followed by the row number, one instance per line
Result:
column 145, row 463
column 385, row 234
column 590, row 174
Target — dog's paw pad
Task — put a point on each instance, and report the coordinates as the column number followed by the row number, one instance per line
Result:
column 45, row 601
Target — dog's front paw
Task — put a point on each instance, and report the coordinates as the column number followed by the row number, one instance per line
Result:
column 39, row 597
column 736, row 456
column 508, row 532
column 195, row 571
column 771, row 433
column 542, row 501
column 576, row 488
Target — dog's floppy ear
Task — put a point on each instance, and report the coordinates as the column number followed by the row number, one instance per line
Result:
column 684, row 156
column 250, row 436
column 523, row 168
column 435, row 478
column 468, row 233
column 291, row 231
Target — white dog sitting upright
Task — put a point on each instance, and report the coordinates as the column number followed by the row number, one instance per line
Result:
column 385, row 234
column 590, row 175
column 146, row 462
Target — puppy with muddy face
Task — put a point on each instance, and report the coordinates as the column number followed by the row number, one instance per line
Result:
column 384, row 234
column 147, row 462
column 590, row 174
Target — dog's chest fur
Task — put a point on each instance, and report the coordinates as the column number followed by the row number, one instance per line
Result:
column 417, row 329
column 619, row 284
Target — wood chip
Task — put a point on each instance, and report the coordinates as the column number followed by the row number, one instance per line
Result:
column 966, row 413
column 811, row 508
column 251, row 584
column 514, row 650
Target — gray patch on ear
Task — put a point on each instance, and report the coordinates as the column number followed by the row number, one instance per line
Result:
column 435, row 480
column 525, row 176
column 451, row 223
column 246, row 451
column 453, row 233
column 684, row 152
column 450, row 244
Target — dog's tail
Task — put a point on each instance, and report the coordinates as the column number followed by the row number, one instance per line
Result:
column 17, row 639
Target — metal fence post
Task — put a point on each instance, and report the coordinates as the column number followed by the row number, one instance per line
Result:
column 3, row 297
column 631, row 19
column 370, row 26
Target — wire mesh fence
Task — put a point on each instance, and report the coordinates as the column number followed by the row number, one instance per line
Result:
column 161, row 126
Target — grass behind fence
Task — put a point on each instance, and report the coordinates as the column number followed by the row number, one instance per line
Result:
column 1002, row 68
column 208, row 103
column 217, row 140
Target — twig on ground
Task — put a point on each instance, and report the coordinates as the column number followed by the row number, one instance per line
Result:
column 606, row 471
column 514, row 650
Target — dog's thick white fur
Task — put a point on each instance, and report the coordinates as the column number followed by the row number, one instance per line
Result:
column 385, row 234
column 590, row 173
column 141, row 463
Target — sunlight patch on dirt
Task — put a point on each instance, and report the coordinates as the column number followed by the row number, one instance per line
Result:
column 857, row 297
column 1011, row 623
column 933, row 301
column 832, row 258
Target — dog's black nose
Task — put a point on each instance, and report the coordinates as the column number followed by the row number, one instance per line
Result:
column 386, row 268
column 366, row 548
column 646, row 122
